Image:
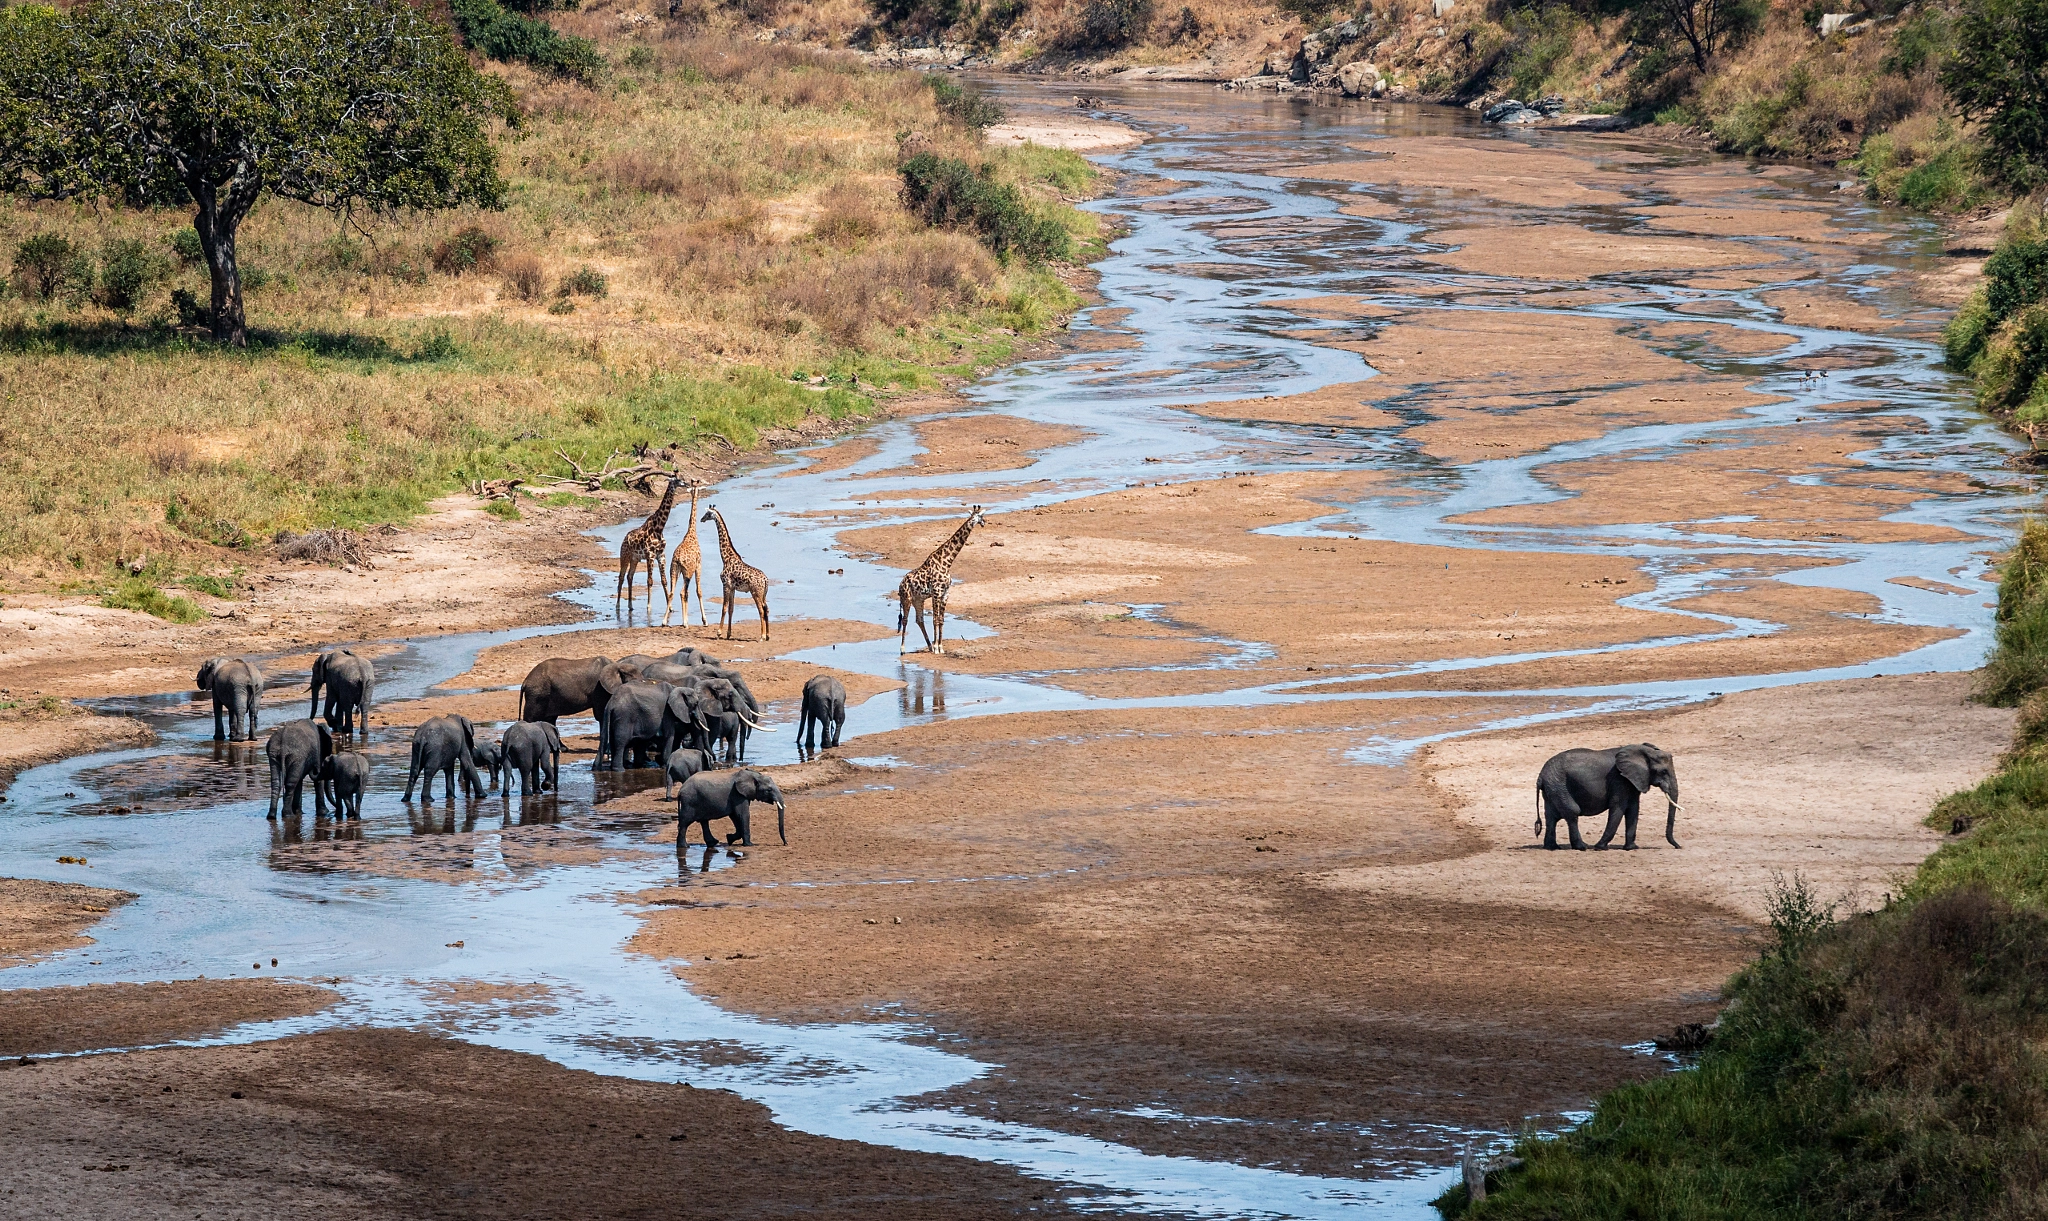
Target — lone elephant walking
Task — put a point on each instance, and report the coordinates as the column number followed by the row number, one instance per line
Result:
column 824, row 708
column 1578, row 783
column 709, row 796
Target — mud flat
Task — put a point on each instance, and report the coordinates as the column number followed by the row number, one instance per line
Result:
column 1197, row 875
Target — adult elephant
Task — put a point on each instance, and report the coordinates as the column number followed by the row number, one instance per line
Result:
column 562, row 686
column 709, row 796
column 444, row 744
column 298, row 752
column 350, row 682
column 716, row 713
column 633, row 717
column 534, row 750
column 824, row 706
column 235, row 684
column 1577, row 783
column 748, row 707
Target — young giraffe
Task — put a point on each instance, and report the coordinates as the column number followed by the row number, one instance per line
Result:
column 738, row 577
column 643, row 545
column 685, row 566
column 928, row 582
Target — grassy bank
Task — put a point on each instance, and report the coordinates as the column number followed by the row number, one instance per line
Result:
column 691, row 243
column 1888, row 1064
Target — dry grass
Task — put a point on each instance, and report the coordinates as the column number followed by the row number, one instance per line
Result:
column 737, row 197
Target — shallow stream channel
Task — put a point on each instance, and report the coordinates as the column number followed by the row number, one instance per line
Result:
column 1194, row 311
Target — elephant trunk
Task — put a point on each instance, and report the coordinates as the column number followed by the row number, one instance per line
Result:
column 781, row 831
column 1671, row 816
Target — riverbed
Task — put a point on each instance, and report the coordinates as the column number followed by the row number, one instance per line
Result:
column 1196, row 877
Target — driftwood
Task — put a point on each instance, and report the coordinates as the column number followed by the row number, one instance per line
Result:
column 495, row 489
column 336, row 547
column 1476, row 1168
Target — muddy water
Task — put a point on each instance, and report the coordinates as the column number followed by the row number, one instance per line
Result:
column 1200, row 318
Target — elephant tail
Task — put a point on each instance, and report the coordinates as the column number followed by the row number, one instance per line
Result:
column 1539, row 811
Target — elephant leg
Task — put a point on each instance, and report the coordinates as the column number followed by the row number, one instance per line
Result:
column 253, row 696
column 412, row 773
column 220, row 733
column 276, row 784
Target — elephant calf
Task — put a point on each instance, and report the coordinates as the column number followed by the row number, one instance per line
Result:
column 534, row 750
column 345, row 776
column 298, row 752
column 1576, row 783
column 709, row 796
column 683, row 763
column 824, row 705
column 490, row 760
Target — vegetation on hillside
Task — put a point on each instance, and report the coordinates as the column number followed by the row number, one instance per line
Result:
column 710, row 242
column 1889, row 1064
column 2000, row 336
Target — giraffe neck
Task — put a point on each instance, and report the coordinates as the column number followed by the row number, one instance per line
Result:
column 690, row 535
column 727, row 553
column 658, row 520
column 941, row 562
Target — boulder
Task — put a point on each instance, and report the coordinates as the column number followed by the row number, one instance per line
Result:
column 1549, row 104
column 1357, row 79
column 1441, row 7
column 1500, row 110
column 1321, row 45
column 1279, row 63
column 1831, row 22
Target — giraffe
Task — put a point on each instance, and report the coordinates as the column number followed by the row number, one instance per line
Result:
column 685, row 567
column 643, row 545
column 928, row 582
column 738, row 576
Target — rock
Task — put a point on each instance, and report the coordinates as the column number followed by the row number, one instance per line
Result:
column 1319, row 46
column 1831, row 22
column 1441, row 7
column 1279, row 63
column 1356, row 79
column 1550, row 104
column 1499, row 111
column 1379, row 87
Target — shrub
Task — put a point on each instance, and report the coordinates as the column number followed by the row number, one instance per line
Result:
column 504, row 509
column 485, row 26
column 129, row 268
column 524, row 278
column 919, row 15
column 342, row 253
column 48, row 264
column 469, row 249
column 1109, row 24
column 585, row 281
column 964, row 106
column 948, row 192
column 138, row 594
column 184, row 243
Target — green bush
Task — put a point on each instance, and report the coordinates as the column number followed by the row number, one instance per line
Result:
column 1940, row 184
column 505, row 509
column 129, row 268
column 485, row 26
column 184, row 243
column 585, row 281
column 1108, row 24
column 948, row 192
column 214, row 587
column 964, row 106
column 138, row 594
column 49, row 264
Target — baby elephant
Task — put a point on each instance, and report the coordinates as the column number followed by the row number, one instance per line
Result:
column 1583, row 782
column 709, row 796
column 534, row 750
column 683, row 763
column 345, row 776
column 824, row 705
column 490, row 759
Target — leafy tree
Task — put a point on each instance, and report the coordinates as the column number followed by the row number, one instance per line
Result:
column 1705, row 25
column 1999, row 77
column 215, row 103
column 48, row 264
column 507, row 36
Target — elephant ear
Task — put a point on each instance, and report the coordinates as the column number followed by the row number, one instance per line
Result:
column 554, row 737
column 611, row 678
column 319, row 670
column 203, row 681
column 1634, row 766
column 468, row 732
column 326, row 739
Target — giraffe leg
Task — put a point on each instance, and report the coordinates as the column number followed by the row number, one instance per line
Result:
column 626, row 563
column 725, row 613
column 701, row 616
column 939, row 625
column 761, row 604
column 917, row 608
column 902, row 621
column 655, row 571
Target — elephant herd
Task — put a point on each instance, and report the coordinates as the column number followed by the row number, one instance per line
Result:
column 686, row 713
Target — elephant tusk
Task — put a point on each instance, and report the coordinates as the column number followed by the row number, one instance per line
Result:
column 743, row 717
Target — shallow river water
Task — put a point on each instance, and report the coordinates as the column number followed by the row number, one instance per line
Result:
column 1201, row 321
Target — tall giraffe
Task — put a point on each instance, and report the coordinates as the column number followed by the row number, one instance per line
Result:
column 738, row 577
column 685, row 566
column 928, row 583
column 643, row 545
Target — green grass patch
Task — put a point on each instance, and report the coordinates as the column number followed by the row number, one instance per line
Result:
column 138, row 594
column 213, row 587
column 504, row 509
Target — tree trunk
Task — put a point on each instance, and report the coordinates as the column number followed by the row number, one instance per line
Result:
column 216, row 225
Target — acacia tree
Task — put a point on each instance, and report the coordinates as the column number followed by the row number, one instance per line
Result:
column 341, row 104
